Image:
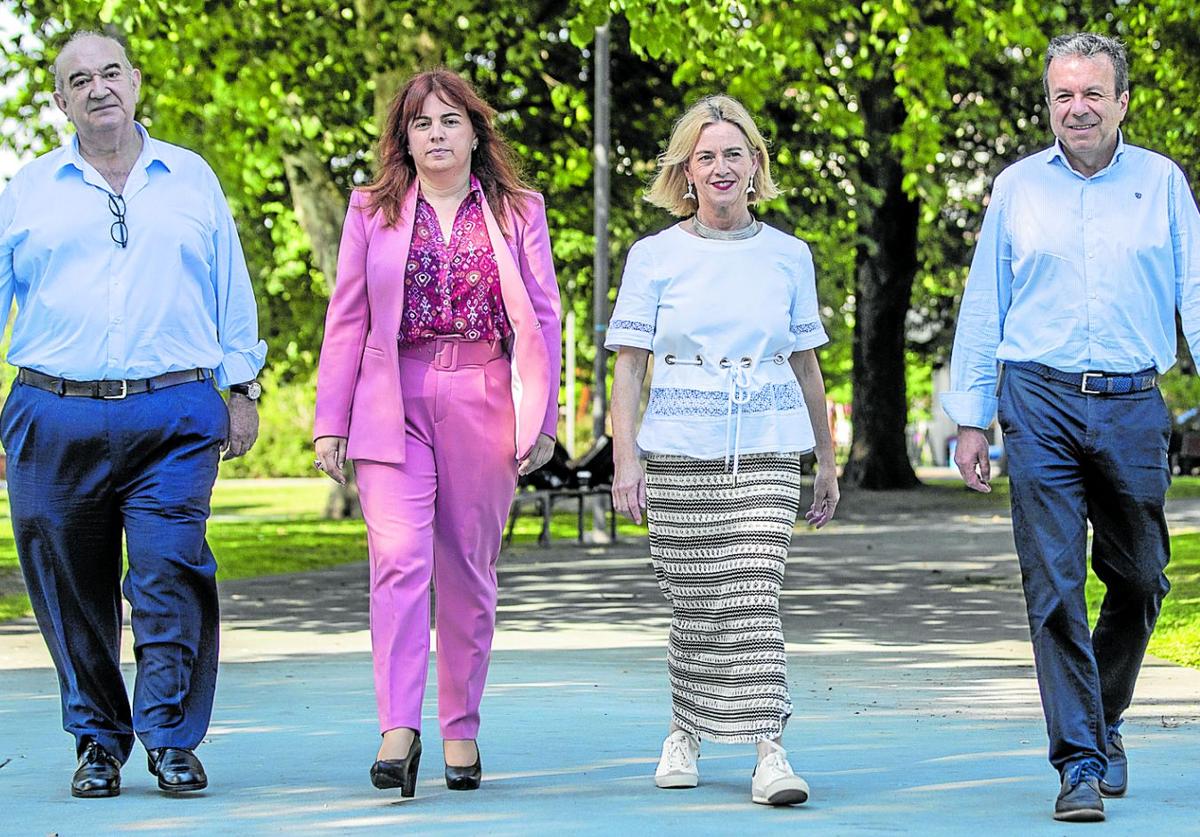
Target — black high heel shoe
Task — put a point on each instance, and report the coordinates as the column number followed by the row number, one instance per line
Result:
column 399, row 773
column 465, row 778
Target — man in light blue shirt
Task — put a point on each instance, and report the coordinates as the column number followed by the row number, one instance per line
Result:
column 1087, row 251
column 133, row 299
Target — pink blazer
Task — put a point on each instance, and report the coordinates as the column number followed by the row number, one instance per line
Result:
column 358, row 378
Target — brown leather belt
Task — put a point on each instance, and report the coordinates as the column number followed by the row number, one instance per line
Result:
column 451, row 353
column 110, row 390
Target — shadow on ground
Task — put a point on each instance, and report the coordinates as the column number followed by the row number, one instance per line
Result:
column 915, row 704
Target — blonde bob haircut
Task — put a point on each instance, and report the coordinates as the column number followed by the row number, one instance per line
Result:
column 670, row 183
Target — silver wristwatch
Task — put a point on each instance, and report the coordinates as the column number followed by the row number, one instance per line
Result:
column 250, row 389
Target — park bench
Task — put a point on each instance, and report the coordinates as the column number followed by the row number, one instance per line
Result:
column 565, row 479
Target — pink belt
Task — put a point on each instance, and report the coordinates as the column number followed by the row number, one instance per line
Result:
column 452, row 352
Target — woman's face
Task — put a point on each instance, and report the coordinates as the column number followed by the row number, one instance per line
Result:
column 721, row 166
column 440, row 137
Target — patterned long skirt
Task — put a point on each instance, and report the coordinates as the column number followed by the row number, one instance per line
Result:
column 719, row 545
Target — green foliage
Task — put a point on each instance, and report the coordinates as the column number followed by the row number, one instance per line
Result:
column 285, row 415
column 284, row 99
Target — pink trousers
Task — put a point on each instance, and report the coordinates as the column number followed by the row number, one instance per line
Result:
column 440, row 516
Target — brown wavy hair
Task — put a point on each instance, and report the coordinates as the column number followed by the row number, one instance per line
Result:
column 493, row 162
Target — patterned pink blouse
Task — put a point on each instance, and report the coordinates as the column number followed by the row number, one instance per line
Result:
column 452, row 289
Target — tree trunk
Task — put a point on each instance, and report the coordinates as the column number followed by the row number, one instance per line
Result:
column 886, row 267
column 321, row 207
column 319, row 203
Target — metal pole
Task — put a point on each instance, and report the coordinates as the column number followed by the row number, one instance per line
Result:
column 600, row 264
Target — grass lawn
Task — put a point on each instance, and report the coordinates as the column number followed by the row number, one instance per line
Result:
column 1177, row 635
column 1182, row 488
column 265, row 527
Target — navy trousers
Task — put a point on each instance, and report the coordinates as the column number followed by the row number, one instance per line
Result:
column 81, row 472
column 1075, row 458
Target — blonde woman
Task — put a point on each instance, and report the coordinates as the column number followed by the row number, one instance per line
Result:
column 728, row 307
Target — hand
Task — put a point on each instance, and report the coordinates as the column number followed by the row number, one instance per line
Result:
column 971, row 457
column 331, row 457
column 629, row 489
column 825, row 497
column 538, row 456
column 243, row 426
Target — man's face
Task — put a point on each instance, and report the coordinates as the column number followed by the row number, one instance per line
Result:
column 1085, row 110
column 97, row 91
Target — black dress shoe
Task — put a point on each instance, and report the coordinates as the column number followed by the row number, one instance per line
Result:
column 1079, row 798
column 98, row 774
column 178, row 770
column 399, row 773
column 465, row 778
column 1116, row 778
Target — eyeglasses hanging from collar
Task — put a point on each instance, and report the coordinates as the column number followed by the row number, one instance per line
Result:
column 119, row 231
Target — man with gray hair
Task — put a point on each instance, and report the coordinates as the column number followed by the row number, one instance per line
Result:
column 1087, row 250
column 133, row 300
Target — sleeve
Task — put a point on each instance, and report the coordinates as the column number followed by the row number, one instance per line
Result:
column 805, row 324
column 1185, row 242
column 636, row 312
column 971, row 399
column 8, row 210
column 537, row 271
column 346, row 323
column 243, row 353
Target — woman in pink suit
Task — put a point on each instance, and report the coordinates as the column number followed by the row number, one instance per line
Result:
column 439, row 378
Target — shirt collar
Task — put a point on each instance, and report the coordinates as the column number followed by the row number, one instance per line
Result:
column 153, row 151
column 1055, row 154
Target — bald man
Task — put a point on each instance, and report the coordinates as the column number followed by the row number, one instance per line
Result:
column 134, row 307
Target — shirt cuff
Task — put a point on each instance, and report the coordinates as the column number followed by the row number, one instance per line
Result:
column 239, row 367
column 629, row 333
column 809, row 340
column 969, row 409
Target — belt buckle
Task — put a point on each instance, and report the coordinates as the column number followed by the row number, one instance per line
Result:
column 447, row 356
column 1083, row 384
column 124, row 391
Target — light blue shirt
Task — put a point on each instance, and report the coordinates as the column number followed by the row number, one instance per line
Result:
column 1083, row 274
column 178, row 297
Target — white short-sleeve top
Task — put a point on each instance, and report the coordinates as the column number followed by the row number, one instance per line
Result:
column 721, row 318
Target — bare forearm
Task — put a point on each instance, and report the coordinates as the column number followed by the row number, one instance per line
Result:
column 808, row 374
column 629, row 374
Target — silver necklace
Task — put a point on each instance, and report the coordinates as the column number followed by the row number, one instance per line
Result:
column 748, row 231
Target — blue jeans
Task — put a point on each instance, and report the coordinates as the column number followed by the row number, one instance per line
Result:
column 82, row 472
column 1075, row 458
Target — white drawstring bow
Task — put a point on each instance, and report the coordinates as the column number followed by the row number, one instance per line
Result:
column 739, row 394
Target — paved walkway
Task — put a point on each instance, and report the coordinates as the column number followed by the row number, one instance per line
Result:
column 916, row 708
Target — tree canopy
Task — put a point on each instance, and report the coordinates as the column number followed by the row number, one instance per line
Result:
column 887, row 120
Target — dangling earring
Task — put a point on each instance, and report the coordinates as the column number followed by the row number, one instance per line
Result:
column 689, row 195
column 750, row 187
column 474, row 145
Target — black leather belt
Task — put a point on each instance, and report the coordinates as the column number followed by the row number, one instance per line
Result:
column 1094, row 383
column 110, row 390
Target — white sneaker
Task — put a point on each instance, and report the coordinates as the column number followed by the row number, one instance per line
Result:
column 774, row 781
column 677, row 768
